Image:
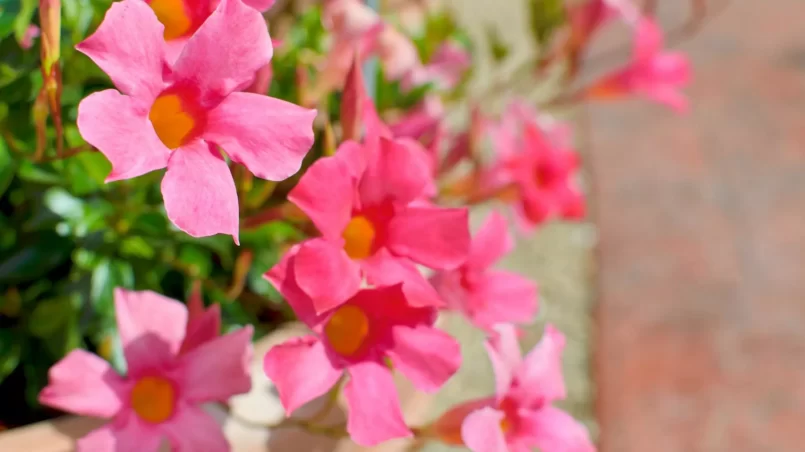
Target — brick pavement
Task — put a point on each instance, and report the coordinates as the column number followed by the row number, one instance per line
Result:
column 701, row 317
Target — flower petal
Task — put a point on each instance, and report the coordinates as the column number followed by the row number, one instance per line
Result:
column 84, row 384
column 395, row 174
column 503, row 297
column 269, row 136
column 199, row 192
column 504, row 353
column 482, row 432
column 374, row 414
column 120, row 129
column 151, row 328
column 435, row 237
column 539, row 378
column 326, row 274
column 129, row 47
column 491, row 243
column 668, row 96
column 191, row 429
column 283, row 277
column 223, row 55
column 383, row 269
column 427, row 356
column 301, row 371
column 448, row 427
column 260, row 5
column 218, row 369
column 325, row 193
column 553, row 430
column 202, row 328
column 126, row 434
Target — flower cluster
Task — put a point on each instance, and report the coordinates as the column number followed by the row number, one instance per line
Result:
column 387, row 245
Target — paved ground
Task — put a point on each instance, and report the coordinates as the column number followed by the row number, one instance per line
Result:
column 701, row 345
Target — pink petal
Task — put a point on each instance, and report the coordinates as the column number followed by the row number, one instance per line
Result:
column 151, row 328
column 553, row 430
column 283, row 277
column 352, row 102
column 84, row 384
column 393, row 174
column 481, row 431
column 448, row 427
column 223, row 55
column 191, row 429
column 648, row 39
column 374, row 414
column 202, row 328
column 504, row 353
column 504, row 297
column 269, row 136
column 126, row 434
column 325, row 193
column 326, row 274
column 434, row 237
column 491, row 243
column 260, row 5
column 672, row 68
column 427, row 356
column 119, row 127
column 199, row 192
column 301, row 371
column 539, row 378
column 218, row 369
column 382, row 269
column 668, row 96
column 129, row 47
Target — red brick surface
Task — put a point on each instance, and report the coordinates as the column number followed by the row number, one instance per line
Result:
column 701, row 322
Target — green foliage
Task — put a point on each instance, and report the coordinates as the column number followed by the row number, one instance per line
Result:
column 546, row 16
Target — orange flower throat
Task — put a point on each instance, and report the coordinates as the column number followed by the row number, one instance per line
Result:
column 347, row 330
column 153, row 399
column 172, row 121
column 359, row 237
column 174, row 17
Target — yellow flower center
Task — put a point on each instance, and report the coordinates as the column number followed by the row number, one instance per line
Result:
column 347, row 329
column 173, row 16
column 172, row 122
column 359, row 235
column 153, row 399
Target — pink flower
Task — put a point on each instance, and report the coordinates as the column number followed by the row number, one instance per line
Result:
column 521, row 415
column 422, row 120
column 652, row 73
column 31, row 33
column 488, row 297
column 360, row 338
column 174, row 116
column 535, row 169
column 445, row 69
column 182, row 18
column 203, row 325
column 363, row 201
column 162, row 393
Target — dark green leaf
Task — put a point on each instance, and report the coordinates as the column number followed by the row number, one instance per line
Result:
column 36, row 259
column 10, row 352
column 48, row 316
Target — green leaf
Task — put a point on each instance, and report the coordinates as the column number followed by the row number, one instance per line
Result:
column 48, row 316
column 24, row 17
column 7, row 167
column 36, row 259
column 136, row 246
column 40, row 174
column 546, row 16
column 108, row 275
column 10, row 352
column 498, row 48
column 63, row 204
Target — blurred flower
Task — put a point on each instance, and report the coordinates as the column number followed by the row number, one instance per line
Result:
column 357, row 338
column 31, row 33
column 422, row 120
column 445, row 69
column 264, row 75
column 362, row 200
column 203, row 325
column 488, row 297
column 174, row 116
column 535, row 168
column 652, row 73
column 182, row 18
column 161, row 395
column 521, row 415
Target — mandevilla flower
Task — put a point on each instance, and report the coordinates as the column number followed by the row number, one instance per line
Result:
column 535, row 169
column 360, row 338
column 161, row 395
column 203, row 325
column 521, row 415
column 362, row 200
column 652, row 73
column 488, row 297
column 182, row 18
column 176, row 115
